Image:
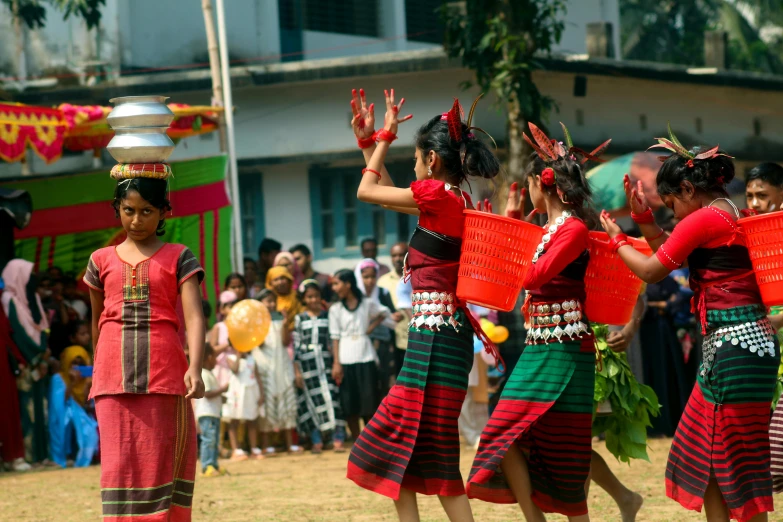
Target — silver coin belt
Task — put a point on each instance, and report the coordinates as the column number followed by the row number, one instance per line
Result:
column 550, row 323
column 756, row 336
column 549, row 232
column 433, row 310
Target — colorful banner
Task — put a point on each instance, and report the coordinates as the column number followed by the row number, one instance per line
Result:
column 73, row 217
column 22, row 125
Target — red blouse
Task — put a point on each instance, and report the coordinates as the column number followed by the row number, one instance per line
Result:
column 565, row 253
column 440, row 211
column 139, row 349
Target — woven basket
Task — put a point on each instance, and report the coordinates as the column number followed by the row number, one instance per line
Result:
column 496, row 254
column 612, row 289
column 764, row 238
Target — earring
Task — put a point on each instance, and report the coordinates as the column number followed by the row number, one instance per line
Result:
column 429, row 171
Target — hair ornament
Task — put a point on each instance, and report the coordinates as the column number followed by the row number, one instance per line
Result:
column 673, row 145
column 454, row 120
column 303, row 284
column 548, row 176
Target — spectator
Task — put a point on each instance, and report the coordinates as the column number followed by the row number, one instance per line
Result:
column 75, row 300
column 280, row 281
column 80, row 335
column 11, row 441
column 208, row 412
column 267, row 252
column 304, row 258
column 390, row 280
column 243, row 402
column 276, row 371
column 764, row 188
column 254, row 284
column 286, row 260
column 370, row 251
column 236, row 283
column 22, row 305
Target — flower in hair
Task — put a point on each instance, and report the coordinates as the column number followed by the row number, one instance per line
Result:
column 548, row 176
column 689, row 163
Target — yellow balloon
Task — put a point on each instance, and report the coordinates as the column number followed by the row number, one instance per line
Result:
column 499, row 335
column 487, row 326
column 248, row 323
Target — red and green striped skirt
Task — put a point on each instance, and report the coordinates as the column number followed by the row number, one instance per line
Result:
column 547, row 410
column 724, row 430
column 148, row 457
column 412, row 441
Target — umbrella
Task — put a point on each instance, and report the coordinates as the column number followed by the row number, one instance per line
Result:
column 606, row 180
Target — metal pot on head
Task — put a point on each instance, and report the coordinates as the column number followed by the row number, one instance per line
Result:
column 141, row 145
column 139, row 111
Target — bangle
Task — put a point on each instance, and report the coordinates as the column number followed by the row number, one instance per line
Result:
column 366, row 143
column 373, row 171
column 662, row 232
column 618, row 241
column 384, row 135
column 645, row 218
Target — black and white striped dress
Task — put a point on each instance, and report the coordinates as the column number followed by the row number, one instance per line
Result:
column 319, row 402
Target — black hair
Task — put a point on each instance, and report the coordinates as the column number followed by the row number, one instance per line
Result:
column 347, row 276
column 301, row 248
column 772, row 173
column 73, row 327
column 263, row 294
column 312, row 285
column 206, row 308
column 707, row 175
column 151, row 190
column 208, row 350
column 31, row 290
column 369, row 240
column 249, row 260
column 467, row 157
column 269, row 245
column 571, row 182
column 234, row 275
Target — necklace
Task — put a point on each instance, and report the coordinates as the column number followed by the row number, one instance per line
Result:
column 550, row 232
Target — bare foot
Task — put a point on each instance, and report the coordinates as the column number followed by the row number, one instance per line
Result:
column 631, row 507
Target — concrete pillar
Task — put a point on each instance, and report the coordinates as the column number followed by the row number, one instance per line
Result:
column 600, row 41
column 716, row 45
column 391, row 17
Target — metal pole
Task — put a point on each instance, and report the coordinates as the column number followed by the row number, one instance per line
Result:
column 233, row 170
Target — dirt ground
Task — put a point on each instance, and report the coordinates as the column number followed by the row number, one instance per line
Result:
column 309, row 488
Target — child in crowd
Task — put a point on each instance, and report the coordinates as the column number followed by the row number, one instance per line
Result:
column 218, row 338
column 80, row 335
column 237, row 284
column 243, row 402
column 319, row 396
column 355, row 370
column 277, row 376
column 208, row 412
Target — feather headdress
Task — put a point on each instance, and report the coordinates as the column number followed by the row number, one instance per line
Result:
column 551, row 150
column 673, row 145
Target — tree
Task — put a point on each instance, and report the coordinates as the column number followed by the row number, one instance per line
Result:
column 500, row 41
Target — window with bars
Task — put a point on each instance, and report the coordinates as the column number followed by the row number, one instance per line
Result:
column 355, row 17
column 423, row 21
column 251, row 208
column 340, row 221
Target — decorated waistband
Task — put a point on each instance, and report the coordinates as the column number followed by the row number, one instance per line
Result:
column 434, row 309
column 550, row 322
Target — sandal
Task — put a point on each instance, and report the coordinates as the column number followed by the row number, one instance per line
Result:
column 338, row 447
column 317, row 449
column 270, row 451
column 295, row 449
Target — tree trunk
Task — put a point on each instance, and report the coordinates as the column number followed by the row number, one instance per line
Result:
column 21, row 58
column 214, row 69
column 517, row 152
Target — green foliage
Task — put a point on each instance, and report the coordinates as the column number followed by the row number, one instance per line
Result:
column 33, row 12
column 499, row 41
column 632, row 403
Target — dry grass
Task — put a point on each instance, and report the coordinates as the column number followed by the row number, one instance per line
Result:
column 308, row 488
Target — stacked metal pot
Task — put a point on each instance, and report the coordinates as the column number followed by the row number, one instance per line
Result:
column 140, row 124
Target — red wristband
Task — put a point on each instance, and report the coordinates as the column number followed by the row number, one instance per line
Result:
column 514, row 214
column 373, row 171
column 366, row 143
column 645, row 218
column 384, row 135
column 662, row 232
column 618, row 241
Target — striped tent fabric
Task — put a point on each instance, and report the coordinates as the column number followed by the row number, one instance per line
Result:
column 545, row 408
column 724, row 430
column 412, row 441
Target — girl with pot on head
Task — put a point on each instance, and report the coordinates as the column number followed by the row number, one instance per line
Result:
column 720, row 456
column 535, row 449
column 411, row 445
column 142, row 381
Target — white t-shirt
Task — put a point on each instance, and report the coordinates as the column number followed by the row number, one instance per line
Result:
column 209, row 407
column 350, row 328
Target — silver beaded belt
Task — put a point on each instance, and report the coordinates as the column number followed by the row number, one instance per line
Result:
column 434, row 309
column 551, row 322
column 756, row 336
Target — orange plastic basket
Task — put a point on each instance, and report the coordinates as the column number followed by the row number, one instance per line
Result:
column 764, row 238
column 612, row 289
column 496, row 254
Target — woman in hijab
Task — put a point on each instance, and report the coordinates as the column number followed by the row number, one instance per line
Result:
column 286, row 259
column 29, row 328
column 68, row 394
column 280, row 281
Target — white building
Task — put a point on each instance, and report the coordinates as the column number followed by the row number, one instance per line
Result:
column 297, row 60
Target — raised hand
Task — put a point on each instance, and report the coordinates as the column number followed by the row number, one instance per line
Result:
column 392, row 118
column 486, row 206
column 516, row 202
column 634, row 193
column 363, row 121
column 609, row 225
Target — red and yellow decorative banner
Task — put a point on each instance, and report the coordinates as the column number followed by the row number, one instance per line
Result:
column 41, row 128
